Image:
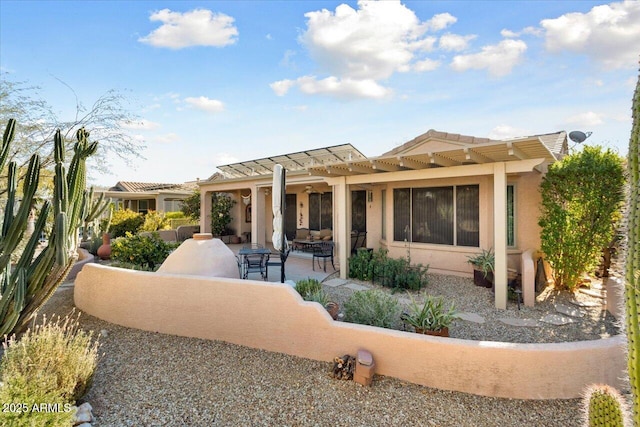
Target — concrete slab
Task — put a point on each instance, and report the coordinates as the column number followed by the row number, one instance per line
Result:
column 334, row 283
column 513, row 321
column 356, row 287
column 569, row 311
column 557, row 319
column 471, row 317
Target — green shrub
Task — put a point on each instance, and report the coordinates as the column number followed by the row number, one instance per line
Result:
column 581, row 199
column 52, row 364
column 154, row 221
column 394, row 273
column 145, row 251
column 374, row 308
column 320, row 297
column 123, row 221
column 175, row 214
column 306, row 287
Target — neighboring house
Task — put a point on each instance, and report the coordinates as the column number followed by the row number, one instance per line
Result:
column 442, row 196
column 143, row 196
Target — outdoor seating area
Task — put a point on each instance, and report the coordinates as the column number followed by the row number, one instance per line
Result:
column 306, row 239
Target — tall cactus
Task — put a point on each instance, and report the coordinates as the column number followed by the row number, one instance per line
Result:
column 26, row 285
column 632, row 275
column 604, row 407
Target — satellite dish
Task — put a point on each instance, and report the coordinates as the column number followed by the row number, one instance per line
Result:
column 578, row 136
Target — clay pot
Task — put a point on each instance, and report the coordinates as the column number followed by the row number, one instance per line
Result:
column 104, row 251
column 444, row 332
column 333, row 308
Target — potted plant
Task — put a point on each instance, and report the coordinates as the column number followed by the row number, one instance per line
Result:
column 432, row 318
column 483, row 265
column 322, row 298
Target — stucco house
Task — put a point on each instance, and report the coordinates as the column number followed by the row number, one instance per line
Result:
column 443, row 196
column 145, row 196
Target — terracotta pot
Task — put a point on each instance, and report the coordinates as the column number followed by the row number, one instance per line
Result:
column 104, row 251
column 444, row 332
column 333, row 308
column 480, row 280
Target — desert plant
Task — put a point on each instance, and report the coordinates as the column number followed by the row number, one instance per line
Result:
column 604, row 407
column 28, row 284
column 581, row 200
column 54, row 364
column 221, row 205
column 432, row 315
column 320, row 297
column 372, row 307
column 145, row 251
column 154, row 221
column 394, row 273
column 306, row 287
column 632, row 268
column 484, row 261
column 123, row 221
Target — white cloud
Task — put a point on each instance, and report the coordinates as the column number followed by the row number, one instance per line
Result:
column 608, row 33
column 508, row 34
column 142, row 124
column 205, row 104
column 505, row 131
column 455, row 42
column 199, row 27
column 588, row 118
column 372, row 42
column 333, row 86
column 426, row 65
column 224, row 159
column 440, row 21
column 498, row 59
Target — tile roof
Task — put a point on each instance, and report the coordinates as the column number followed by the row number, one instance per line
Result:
column 143, row 187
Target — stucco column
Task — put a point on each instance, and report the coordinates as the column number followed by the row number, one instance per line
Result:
column 341, row 223
column 205, row 211
column 258, row 207
column 500, row 234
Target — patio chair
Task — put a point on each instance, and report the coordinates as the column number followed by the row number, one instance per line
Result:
column 255, row 262
column 323, row 250
column 275, row 262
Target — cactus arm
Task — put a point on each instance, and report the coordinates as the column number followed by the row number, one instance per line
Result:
column 632, row 288
column 7, row 139
column 11, row 198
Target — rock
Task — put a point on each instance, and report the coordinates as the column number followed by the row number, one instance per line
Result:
column 206, row 257
column 83, row 415
column 104, row 333
column 569, row 311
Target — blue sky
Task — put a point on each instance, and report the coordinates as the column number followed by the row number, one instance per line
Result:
column 219, row 82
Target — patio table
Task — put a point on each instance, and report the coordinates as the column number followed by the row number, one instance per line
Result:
column 244, row 252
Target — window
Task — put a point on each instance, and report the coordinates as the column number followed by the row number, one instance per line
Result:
column 439, row 215
column 320, row 211
column 511, row 215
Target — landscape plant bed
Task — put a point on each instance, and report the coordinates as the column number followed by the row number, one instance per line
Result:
column 595, row 324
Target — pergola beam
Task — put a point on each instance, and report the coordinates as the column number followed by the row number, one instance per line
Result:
column 353, row 167
column 407, row 162
column 515, row 151
column 437, row 159
column 384, row 166
column 475, row 157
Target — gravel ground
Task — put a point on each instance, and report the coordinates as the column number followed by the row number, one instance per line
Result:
column 595, row 324
column 151, row 379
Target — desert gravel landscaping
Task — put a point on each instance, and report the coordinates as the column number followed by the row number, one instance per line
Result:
column 151, row 379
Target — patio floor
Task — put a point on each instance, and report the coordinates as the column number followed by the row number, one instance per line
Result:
column 297, row 267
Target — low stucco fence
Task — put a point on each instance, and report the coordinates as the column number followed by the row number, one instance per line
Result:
column 274, row 317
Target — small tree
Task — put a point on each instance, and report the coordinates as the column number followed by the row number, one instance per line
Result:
column 581, row 198
column 191, row 206
column 221, row 205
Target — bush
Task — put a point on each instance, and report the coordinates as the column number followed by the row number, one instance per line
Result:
column 175, row 214
column 394, row 273
column 53, row 364
column 154, row 221
column 581, row 199
column 374, row 308
column 307, row 287
column 147, row 252
column 123, row 221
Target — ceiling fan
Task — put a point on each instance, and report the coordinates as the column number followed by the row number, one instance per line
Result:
column 309, row 189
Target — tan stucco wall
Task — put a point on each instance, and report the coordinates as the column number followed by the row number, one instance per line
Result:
column 274, row 317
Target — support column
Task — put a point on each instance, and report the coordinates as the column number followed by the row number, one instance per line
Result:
column 205, row 211
column 340, row 203
column 258, row 215
column 500, row 234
